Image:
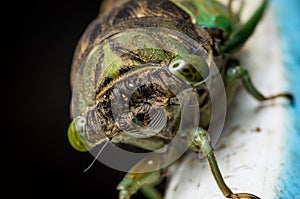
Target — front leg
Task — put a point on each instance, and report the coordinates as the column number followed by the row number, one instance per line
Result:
column 201, row 141
column 145, row 182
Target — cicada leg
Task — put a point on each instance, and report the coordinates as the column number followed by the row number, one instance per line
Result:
column 201, row 141
column 239, row 36
column 133, row 182
column 238, row 73
column 230, row 2
column 240, row 9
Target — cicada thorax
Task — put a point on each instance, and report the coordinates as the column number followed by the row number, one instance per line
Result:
column 121, row 77
column 117, row 16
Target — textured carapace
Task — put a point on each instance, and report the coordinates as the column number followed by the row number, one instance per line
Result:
column 123, row 46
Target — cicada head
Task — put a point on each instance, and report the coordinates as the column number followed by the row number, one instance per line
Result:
column 135, row 83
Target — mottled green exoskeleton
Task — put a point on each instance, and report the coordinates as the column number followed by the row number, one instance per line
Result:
column 142, row 44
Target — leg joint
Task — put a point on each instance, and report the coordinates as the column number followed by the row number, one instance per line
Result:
column 236, row 72
column 201, row 139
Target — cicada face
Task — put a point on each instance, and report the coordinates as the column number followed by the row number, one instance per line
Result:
column 133, row 83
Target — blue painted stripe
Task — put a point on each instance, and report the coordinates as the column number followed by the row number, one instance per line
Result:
column 288, row 17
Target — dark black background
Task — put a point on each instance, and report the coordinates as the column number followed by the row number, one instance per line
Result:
column 38, row 44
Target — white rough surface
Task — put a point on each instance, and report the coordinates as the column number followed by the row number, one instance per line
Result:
column 248, row 158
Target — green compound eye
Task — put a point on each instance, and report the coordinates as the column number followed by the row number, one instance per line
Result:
column 76, row 126
column 190, row 68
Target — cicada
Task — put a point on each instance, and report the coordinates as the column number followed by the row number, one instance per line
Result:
column 156, row 75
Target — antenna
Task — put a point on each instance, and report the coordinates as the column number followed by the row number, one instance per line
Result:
column 98, row 154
